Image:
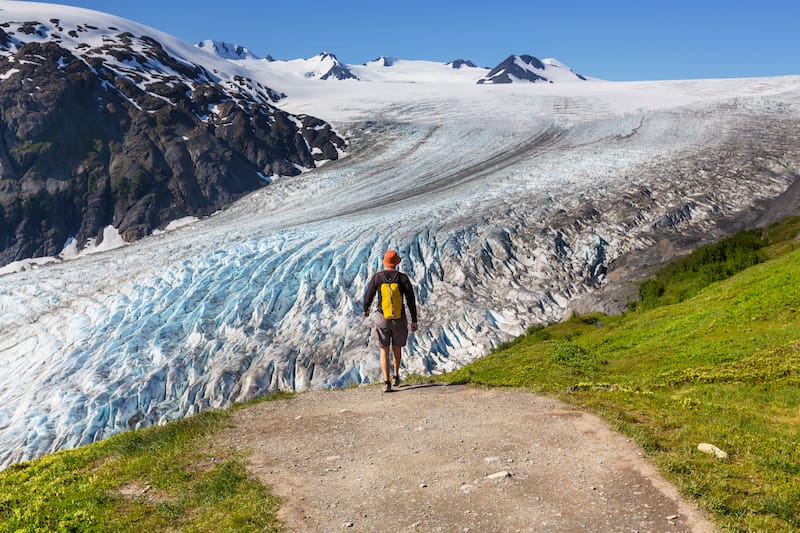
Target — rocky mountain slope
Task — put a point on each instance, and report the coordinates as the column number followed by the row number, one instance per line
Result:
column 103, row 126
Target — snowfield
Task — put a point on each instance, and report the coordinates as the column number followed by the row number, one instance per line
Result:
column 506, row 204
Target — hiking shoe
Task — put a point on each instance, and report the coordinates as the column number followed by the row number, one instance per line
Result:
column 388, row 386
column 397, row 381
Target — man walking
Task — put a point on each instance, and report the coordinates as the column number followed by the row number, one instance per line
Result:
column 393, row 288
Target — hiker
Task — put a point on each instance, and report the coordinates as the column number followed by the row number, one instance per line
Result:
column 391, row 325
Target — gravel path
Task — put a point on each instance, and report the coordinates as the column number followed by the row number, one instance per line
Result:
column 452, row 458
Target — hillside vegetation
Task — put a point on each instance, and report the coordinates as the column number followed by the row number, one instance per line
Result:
column 165, row 478
column 707, row 356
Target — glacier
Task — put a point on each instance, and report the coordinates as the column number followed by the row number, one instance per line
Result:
column 506, row 203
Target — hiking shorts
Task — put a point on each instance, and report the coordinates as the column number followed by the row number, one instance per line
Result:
column 391, row 332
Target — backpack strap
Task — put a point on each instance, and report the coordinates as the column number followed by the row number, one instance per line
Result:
column 384, row 277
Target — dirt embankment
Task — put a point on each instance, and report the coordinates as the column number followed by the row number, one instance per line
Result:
column 452, row 458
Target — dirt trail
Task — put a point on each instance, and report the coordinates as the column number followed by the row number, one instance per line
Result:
column 452, row 458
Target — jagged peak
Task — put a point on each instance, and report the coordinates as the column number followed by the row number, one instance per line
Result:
column 458, row 63
column 328, row 66
column 326, row 55
column 524, row 68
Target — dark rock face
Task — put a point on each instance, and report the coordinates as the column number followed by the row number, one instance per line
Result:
column 509, row 67
column 5, row 40
column 458, row 63
column 126, row 135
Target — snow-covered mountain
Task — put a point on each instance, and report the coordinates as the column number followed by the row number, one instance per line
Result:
column 107, row 123
column 525, row 68
column 515, row 69
column 323, row 66
column 507, row 203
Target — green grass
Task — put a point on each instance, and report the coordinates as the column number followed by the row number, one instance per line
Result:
column 722, row 366
column 167, row 478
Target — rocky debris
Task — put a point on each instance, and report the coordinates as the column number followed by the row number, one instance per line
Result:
column 124, row 134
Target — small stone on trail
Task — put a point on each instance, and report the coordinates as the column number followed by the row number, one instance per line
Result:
column 348, row 524
column 672, row 517
column 712, row 450
column 499, row 475
column 423, row 485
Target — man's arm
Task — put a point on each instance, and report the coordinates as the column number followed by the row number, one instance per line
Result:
column 411, row 302
column 369, row 296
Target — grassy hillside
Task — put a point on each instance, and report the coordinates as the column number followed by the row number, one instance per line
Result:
column 167, row 478
column 722, row 365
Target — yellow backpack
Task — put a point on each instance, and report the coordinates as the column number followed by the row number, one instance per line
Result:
column 391, row 298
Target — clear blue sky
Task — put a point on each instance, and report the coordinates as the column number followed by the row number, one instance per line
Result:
column 625, row 40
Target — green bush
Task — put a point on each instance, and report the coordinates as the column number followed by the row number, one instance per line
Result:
column 571, row 355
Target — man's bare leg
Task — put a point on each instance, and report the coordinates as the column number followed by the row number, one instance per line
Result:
column 397, row 352
column 385, row 363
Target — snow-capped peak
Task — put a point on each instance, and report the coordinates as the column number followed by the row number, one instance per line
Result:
column 327, row 66
column 529, row 69
column 556, row 70
column 382, row 61
column 226, row 50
